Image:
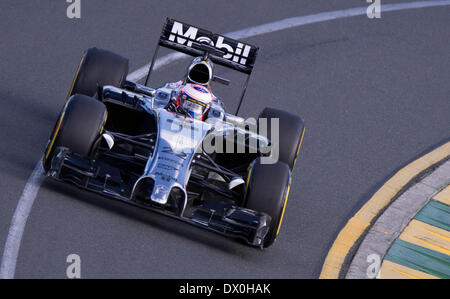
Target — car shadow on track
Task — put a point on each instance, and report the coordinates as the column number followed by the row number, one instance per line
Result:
column 154, row 219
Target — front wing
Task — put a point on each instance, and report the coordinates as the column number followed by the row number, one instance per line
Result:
column 214, row 215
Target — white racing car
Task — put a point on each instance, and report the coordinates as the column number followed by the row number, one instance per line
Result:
column 174, row 149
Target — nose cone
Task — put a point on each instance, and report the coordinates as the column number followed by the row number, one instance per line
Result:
column 200, row 71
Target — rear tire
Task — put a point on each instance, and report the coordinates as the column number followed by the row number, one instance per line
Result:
column 98, row 67
column 267, row 191
column 292, row 129
column 80, row 123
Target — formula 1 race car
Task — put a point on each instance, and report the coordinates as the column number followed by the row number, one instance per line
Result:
column 174, row 149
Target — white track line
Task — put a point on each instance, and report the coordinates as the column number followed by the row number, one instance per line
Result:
column 26, row 200
column 19, row 221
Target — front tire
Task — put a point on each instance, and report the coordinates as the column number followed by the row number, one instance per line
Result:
column 267, row 191
column 98, row 67
column 291, row 132
column 80, row 123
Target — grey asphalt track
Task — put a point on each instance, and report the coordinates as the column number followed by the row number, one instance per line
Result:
column 374, row 94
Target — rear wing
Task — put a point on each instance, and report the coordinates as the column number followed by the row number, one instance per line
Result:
column 185, row 38
column 180, row 37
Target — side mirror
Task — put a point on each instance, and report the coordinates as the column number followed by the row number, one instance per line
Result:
column 109, row 140
column 235, row 182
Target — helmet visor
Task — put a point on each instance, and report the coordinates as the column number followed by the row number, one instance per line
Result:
column 193, row 107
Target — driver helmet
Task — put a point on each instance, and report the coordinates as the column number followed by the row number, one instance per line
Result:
column 195, row 100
